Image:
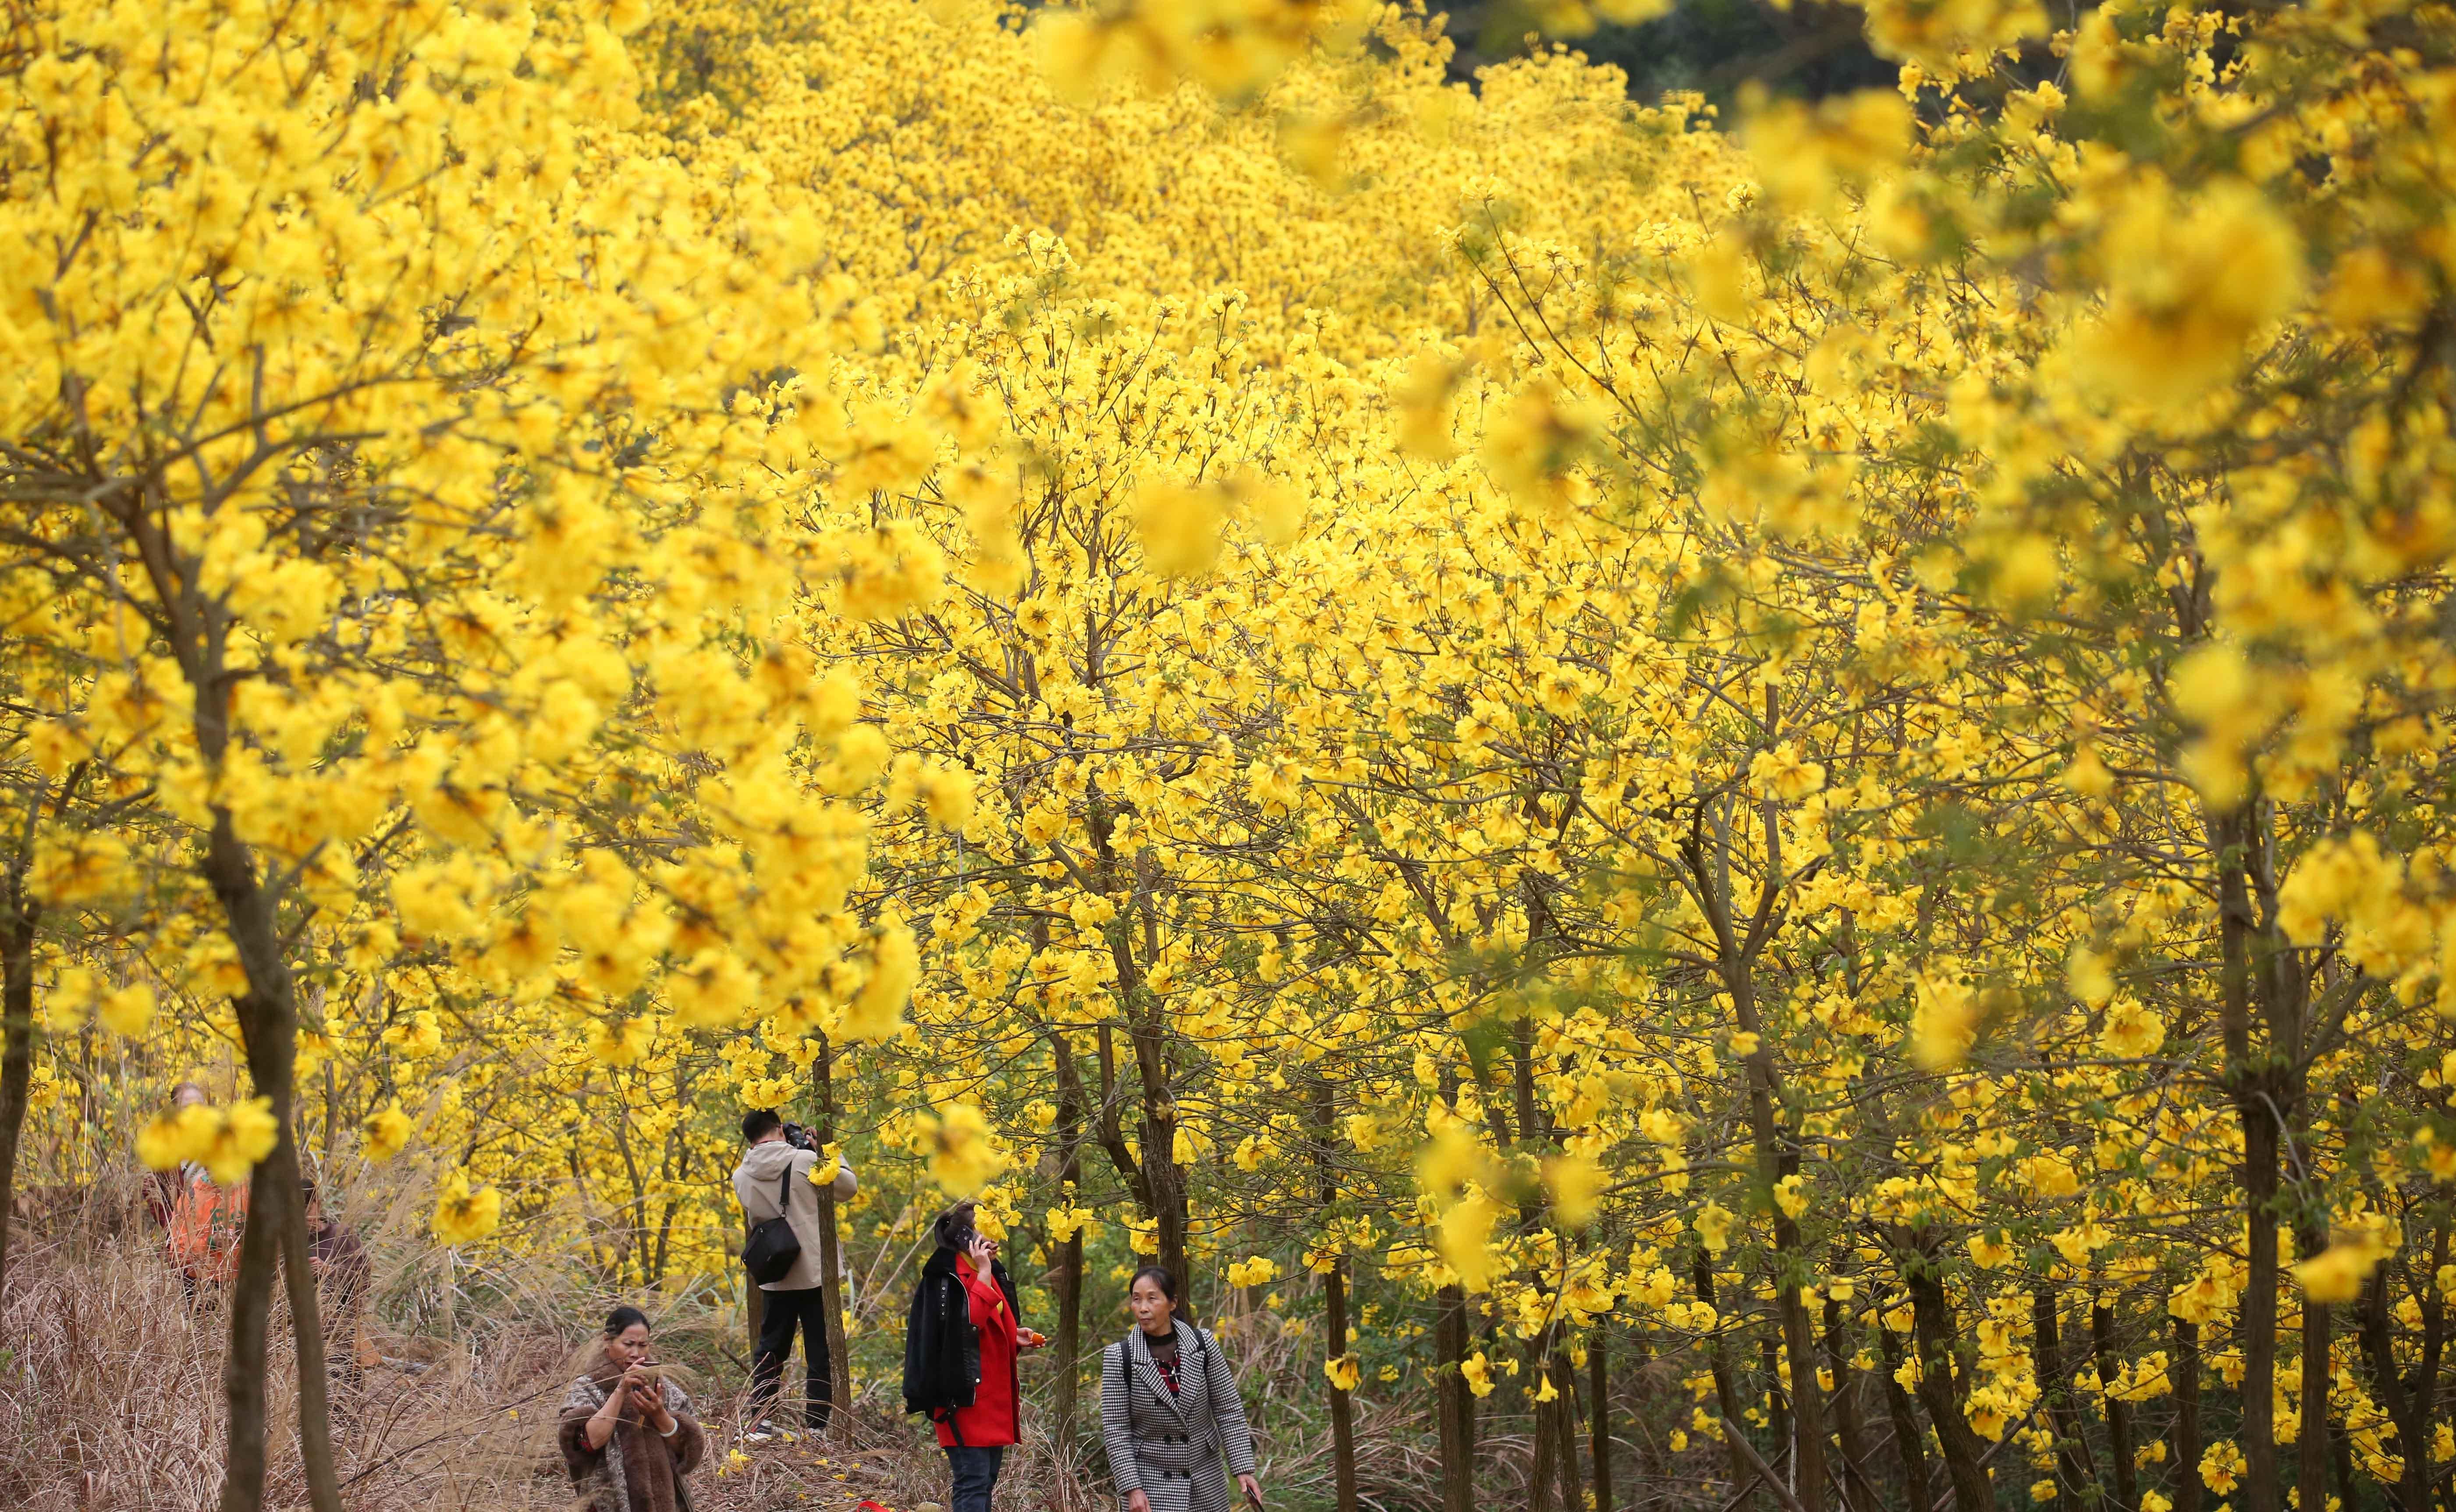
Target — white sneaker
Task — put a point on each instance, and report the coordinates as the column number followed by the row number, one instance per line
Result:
column 760, row 1433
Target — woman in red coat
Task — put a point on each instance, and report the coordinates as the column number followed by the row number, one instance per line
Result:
column 964, row 1374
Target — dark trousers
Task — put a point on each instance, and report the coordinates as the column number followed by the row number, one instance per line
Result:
column 785, row 1313
column 975, row 1472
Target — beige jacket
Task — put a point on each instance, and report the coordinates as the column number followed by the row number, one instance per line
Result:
column 755, row 1181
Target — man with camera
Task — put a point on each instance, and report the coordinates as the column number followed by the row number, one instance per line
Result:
column 775, row 1181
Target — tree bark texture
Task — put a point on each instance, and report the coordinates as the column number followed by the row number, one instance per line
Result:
column 1940, row 1392
column 2119, row 1412
column 275, row 1222
column 18, row 921
column 2076, row 1468
column 2186, row 1381
column 830, row 1251
column 1910, row 1445
column 1333, row 1299
column 1599, row 1413
column 1849, row 1432
column 1455, row 1406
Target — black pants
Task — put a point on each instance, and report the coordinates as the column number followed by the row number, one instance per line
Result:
column 784, row 1312
column 975, row 1473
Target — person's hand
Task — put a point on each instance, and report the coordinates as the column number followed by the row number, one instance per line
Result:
column 637, row 1388
column 1136, row 1501
column 983, row 1252
column 1252, row 1487
column 1026, row 1339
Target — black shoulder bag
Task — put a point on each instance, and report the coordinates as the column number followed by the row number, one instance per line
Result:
column 772, row 1246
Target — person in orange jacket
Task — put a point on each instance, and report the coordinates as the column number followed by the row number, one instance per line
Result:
column 201, row 1222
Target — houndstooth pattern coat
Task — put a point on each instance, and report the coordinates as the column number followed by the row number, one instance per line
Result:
column 1169, row 1446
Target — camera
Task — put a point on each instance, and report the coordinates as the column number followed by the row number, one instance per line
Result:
column 799, row 1137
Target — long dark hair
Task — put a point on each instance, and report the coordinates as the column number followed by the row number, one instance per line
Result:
column 1159, row 1277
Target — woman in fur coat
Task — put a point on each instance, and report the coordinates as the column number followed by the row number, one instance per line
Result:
column 627, row 1435
column 1169, row 1410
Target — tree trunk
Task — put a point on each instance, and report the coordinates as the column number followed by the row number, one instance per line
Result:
column 2255, row 1103
column 307, row 1340
column 1726, row 1402
column 2257, row 1321
column 268, row 1024
column 1333, row 1299
column 1778, row 1395
column 2340, row 1455
column 1652, row 1465
column 1342, row 1408
column 16, row 1042
column 1456, row 1400
column 1546, row 1445
column 1565, row 1420
column 1940, row 1392
column 2419, row 1424
column 1910, row 1446
column 1068, row 1338
column 2311, row 1432
column 2075, row 1467
column 1839, row 1355
column 1161, row 1181
column 830, row 1254
column 2186, row 1381
column 1776, row 1151
column 2119, row 1412
column 243, row 1369
column 1599, row 1414
column 1545, row 1357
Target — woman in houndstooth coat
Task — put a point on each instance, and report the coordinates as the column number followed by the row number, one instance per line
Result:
column 1169, row 1410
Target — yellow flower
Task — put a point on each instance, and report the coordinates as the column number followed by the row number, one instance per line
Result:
column 2049, row 1176
column 2221, row 1466
column 463, row 1216
column 2337, row 1272
column 1478, row 1372
column 127, row 1010
column 1944, row 1022
column 385, row 1132
column 963, row 1159
column 1791, row 1195
column 1464, row 1237
column 1576, row 1183
column 1179, row 525
column 166, row 1138
column 2191, row 281
column 1714, row 1225
column 877, row 1010
column 1253, row 1272
column 1782, row 773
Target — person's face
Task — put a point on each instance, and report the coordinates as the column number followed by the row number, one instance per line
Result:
column 630, row 1346
column 1151, row 1306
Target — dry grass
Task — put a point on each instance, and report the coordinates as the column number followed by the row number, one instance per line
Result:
column 110, row 1392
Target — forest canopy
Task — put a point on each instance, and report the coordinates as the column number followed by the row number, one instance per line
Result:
column 1801, row 737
